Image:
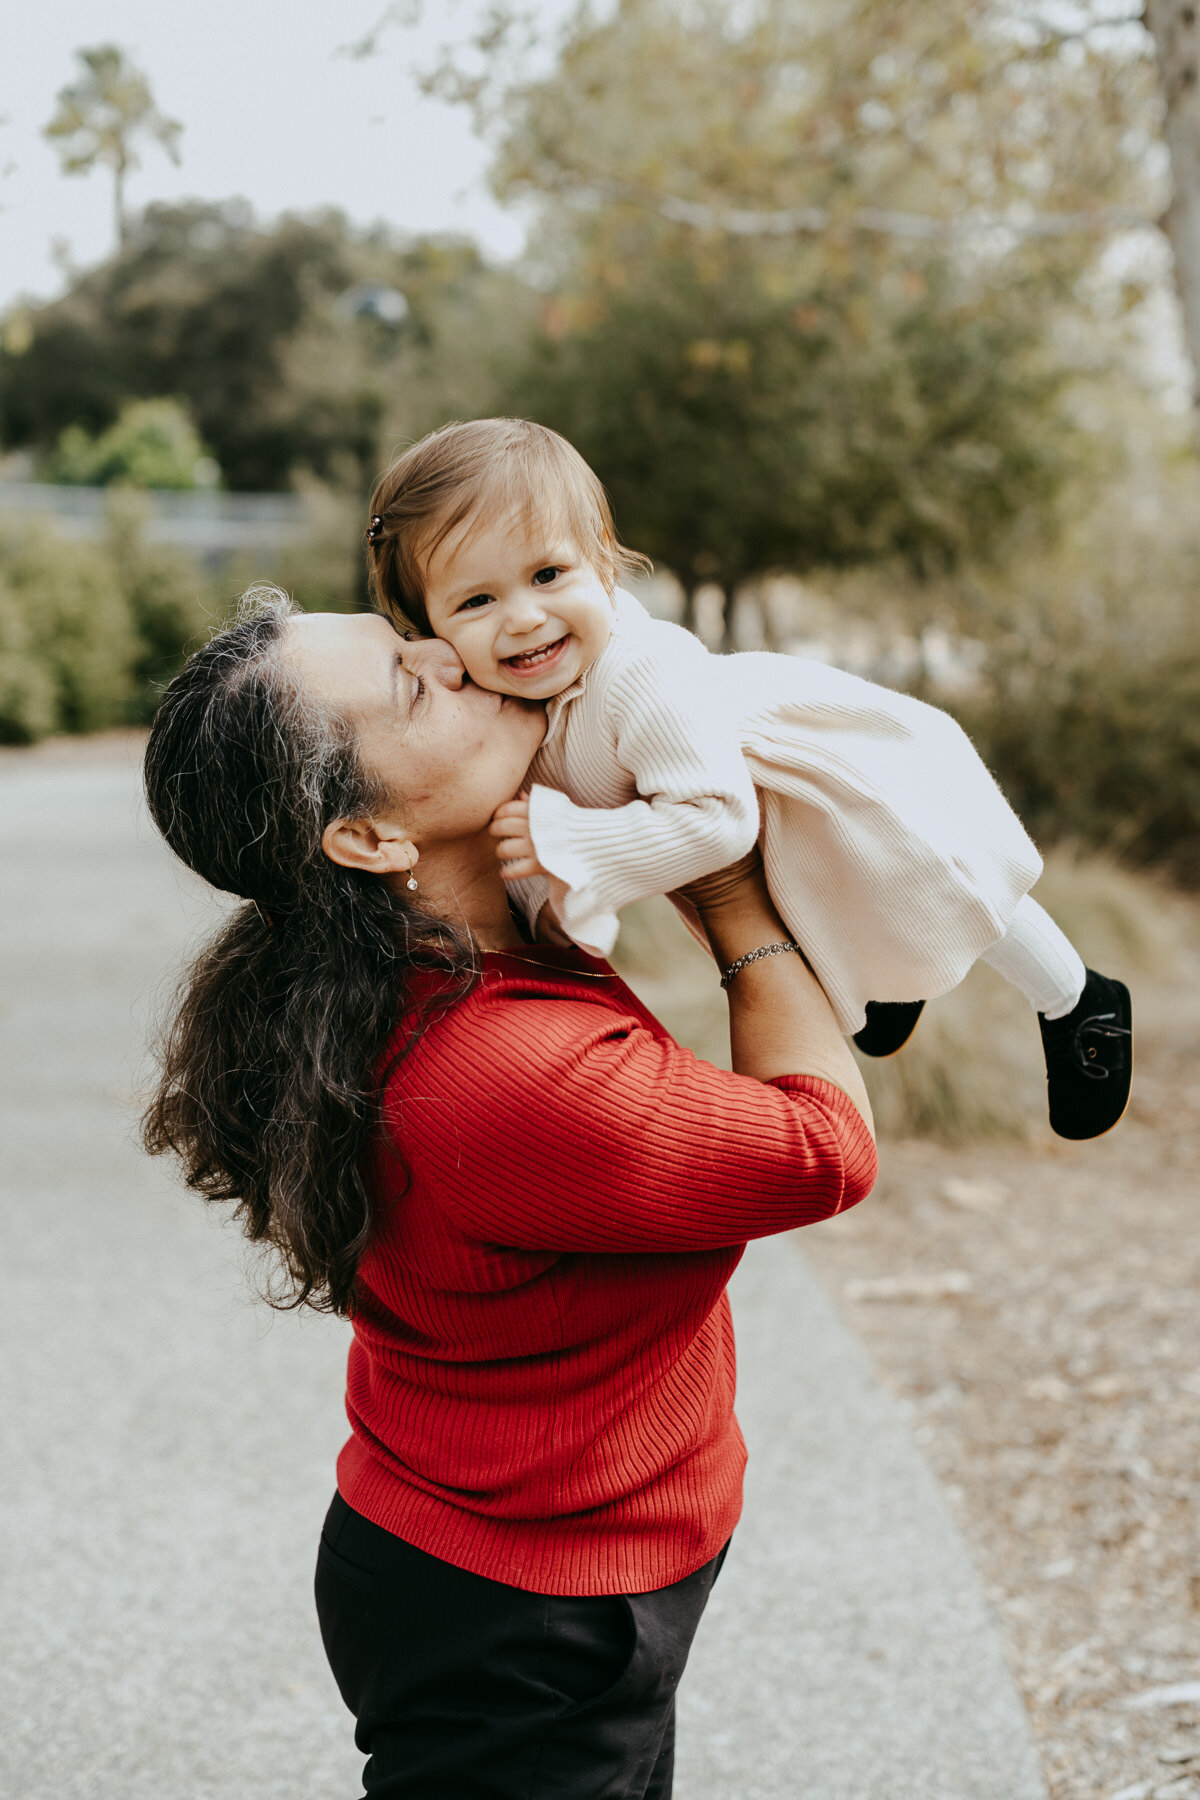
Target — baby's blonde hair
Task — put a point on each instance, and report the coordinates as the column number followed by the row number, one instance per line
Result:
column 483, row 469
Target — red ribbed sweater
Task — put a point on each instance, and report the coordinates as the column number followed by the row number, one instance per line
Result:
column 542, row 1373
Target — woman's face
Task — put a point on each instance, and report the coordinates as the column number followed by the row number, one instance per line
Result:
column 449, row 752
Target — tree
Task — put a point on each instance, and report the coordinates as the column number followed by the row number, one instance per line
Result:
column 1175, row 25
column 766, row 369
column 743, row 426
column 794, row 118
column 1038, row 120
column 249, row 327
column 102, row 116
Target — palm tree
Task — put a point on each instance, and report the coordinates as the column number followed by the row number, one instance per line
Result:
column 101, row 115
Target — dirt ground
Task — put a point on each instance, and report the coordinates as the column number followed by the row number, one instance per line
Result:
column 1038, row 1311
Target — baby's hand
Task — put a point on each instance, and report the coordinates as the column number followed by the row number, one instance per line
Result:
column 514, row 847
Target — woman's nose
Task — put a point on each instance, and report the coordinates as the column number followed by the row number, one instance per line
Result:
column 434, row 661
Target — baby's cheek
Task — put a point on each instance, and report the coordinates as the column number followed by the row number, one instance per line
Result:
column 481, row 666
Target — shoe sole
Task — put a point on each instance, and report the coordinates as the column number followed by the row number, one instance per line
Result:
column 887, row 1055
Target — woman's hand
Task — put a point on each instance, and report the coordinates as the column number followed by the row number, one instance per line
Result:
column 514, row 846
column 742, row 880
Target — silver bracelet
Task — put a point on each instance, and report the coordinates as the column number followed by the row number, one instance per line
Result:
column 752, row 956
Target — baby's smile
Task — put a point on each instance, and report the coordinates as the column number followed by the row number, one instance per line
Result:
column 535, row 662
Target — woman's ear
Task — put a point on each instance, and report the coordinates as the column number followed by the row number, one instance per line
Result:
column 370, row 844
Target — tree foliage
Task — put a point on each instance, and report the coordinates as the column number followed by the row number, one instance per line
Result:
column 766, row 369
column 795, row 118
column 254, row 330
column 743, row 426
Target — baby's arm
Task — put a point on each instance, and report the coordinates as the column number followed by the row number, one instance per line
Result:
column 678, row 744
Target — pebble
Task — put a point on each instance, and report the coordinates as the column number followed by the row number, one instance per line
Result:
column 1140, row 1790
column 1176, row 1693
column 1180, row 1753
column 974, row 1196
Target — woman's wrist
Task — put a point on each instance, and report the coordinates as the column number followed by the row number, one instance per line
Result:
column 736, row 910
column 733, row 886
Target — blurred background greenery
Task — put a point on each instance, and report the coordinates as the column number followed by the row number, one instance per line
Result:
column 873, row 318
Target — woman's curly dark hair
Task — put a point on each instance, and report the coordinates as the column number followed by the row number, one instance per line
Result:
column 270, row 1067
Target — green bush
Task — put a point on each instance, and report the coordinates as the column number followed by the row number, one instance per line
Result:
column 28, row 698
column 152, row 444
column 324, row 570
column 79, row 630
column 1103, row 750
column 88, row 632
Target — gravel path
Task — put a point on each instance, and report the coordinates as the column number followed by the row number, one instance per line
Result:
column 170, row 1444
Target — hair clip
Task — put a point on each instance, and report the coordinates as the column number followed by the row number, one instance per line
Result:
column 374, row 530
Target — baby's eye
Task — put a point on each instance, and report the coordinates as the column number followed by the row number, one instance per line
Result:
column 544, row 577
column 474, row 602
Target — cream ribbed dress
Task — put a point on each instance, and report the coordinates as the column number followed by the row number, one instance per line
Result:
column 890, row 852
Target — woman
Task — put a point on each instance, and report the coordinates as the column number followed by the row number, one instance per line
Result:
column 495, row 1162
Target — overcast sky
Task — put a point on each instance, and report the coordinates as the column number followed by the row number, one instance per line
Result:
column 269, row 110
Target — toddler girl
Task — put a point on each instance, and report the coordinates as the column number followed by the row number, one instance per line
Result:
column 889, row 851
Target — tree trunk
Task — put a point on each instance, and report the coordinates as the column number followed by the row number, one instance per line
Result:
column 122, row 228
column 687, row 617
column 729, row 600
column 1175, row 26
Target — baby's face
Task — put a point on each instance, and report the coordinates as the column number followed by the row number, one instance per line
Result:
column 525, row 613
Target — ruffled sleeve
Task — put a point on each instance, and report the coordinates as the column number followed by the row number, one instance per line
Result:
column 678, row 741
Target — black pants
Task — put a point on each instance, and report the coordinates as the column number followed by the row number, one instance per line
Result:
column 466, row 1689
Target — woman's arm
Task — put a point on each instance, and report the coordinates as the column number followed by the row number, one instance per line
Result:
column 561, row 1123
column 780, row 1022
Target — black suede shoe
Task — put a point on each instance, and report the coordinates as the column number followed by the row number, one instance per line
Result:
column 890, row 1023
column 1089, row 1059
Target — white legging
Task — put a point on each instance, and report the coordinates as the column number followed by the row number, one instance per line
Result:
column 1039, row 960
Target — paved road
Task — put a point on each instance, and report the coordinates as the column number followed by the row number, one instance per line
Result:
column 169, row 1444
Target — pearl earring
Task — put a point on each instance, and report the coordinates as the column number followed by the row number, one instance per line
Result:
column 411, row 884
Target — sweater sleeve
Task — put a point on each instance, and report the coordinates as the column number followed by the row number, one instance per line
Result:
column 597, row 1135
column 697, row 809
